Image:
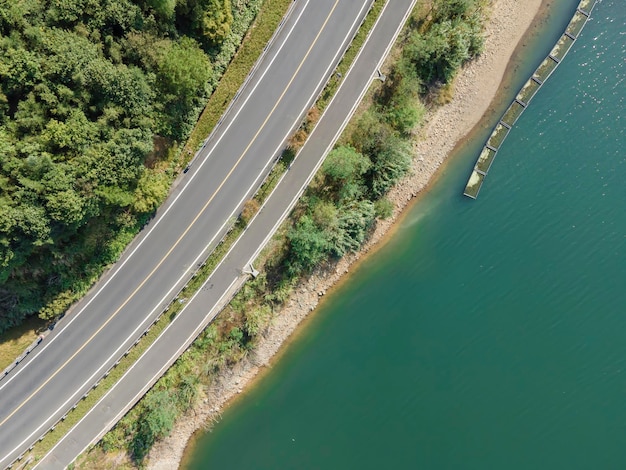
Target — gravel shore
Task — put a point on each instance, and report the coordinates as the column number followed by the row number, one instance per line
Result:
column 475, row 88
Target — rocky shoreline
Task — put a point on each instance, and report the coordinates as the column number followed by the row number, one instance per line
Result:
column 475, row 88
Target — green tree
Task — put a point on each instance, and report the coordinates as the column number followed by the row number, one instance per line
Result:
column 155, row 422
column 164, row 8
column 344, row 164
column 32, row 221
column 66, row 207
column 342, row 172
column 70, row 137
column 370, row 133
column 67, row 54
column 405, row 115
column 20, row 70
column 216, row 21
column 182, row 74
column 30, row 117
column 125, row 87
column 308, row 245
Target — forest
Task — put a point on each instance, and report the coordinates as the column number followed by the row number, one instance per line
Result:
column 92, row 94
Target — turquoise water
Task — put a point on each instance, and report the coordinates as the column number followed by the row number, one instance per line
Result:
column 487, row 334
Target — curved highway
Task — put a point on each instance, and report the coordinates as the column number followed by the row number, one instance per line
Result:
column 161, row 260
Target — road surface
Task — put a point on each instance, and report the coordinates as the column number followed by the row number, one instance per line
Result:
column 216, row 291
column 160, row 261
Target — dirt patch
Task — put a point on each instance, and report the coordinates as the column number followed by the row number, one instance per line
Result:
column 161, row 146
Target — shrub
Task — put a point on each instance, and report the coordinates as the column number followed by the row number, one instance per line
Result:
column 155, row 422
column 250, row 208
column 383, row 208
column 308, row 245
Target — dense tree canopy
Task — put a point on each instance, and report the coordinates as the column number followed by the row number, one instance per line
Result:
column 85, row 88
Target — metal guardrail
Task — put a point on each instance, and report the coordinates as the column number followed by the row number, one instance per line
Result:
column 22, row 356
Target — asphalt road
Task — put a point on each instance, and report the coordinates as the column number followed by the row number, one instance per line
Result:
column 35, row 409
column 160, row 261
column 227, row 278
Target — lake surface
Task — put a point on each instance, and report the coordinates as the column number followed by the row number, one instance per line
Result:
column 488, row 334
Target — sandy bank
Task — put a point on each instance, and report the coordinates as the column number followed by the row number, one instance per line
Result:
column 476, row 87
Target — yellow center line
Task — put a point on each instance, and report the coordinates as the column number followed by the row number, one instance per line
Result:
column 188, row 227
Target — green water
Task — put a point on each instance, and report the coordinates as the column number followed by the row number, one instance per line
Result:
column 487, row 334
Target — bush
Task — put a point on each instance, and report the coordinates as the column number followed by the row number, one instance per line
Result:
column 439, row 52
column 354, row 222
column 155, row 422
column 257, row 320
column 391, row 162
column 405, row 116
column 383, row 208
column 308, row 245
column 250, row 208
